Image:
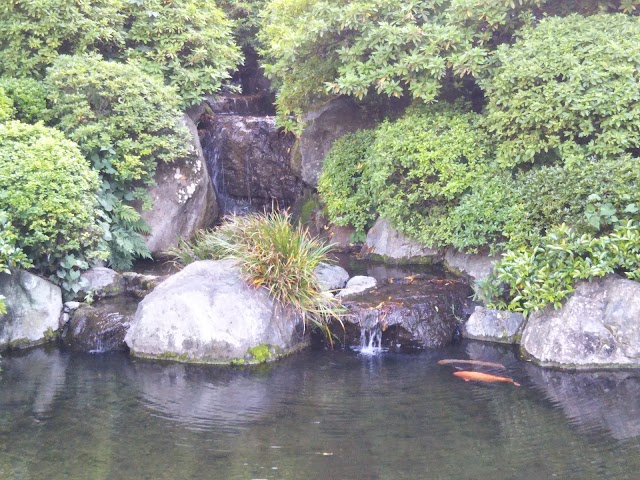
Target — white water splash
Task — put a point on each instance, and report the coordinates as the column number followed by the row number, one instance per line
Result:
column 370, row 341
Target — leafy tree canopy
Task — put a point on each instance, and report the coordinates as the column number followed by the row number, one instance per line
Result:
column 316, row 48
column 188, row 42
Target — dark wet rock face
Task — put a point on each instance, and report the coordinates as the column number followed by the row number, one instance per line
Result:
column 99, row 328
column 411, row 313
column 249, row 161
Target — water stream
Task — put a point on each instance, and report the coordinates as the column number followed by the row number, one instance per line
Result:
column 315, row 415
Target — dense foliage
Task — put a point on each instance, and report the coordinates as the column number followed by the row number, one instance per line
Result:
column 545, row 273
column 274, row 254
column 316, row 48
column 345, row 182
column 571, row 84
column 7, row 111
column 422, row 164
column 125, row 122
column 47, row 190
column 29, row 98
column 188, row 42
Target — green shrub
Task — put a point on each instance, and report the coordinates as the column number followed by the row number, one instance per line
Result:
column 274, row 254
column 188, row 42
column 345, row 182
column 422, row 164
column 29, row 98
column 570, row 84
column 545, row 273
column 511, row 211
column 125, row 122
column 7, row 111
column 48, row 192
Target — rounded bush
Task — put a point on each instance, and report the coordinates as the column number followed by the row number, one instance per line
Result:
column 189, row 43
column 48, row 192
column 518, row 210
column 123, row 120
column 421, row 165
column 572, row 83
column 29, row 98
column 345, row 182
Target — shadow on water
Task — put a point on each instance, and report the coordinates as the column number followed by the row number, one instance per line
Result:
column 316, row 415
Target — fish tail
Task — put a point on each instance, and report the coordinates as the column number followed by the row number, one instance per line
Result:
column 516, row 384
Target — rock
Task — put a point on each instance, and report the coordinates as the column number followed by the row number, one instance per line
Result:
column 356, row 285
column 139, row 285
column 208, row 314
column 331, row 277
column 386, row 243
column 493, row 325
column 325, row 126
column 597, row 327
column 423, row 314
column 98, row 328
column 594, row 400
column 474, row 266
column 101, row 282
column 183, row 198
column 249, row 160
column 34, row 306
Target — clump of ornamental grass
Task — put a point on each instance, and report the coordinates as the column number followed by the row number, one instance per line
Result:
column 271, row 253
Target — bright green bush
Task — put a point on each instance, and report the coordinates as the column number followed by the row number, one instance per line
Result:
column 545, row 273
column 571, row 84
column 345, row 182
column 125, row 122
column 7, row 111
column 422, row 164
column 510, row 211
column 188, row 42
column 274, row 254
column 29, row 98
column 48, row 192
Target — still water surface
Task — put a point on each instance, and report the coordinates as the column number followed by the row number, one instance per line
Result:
column 316, row 415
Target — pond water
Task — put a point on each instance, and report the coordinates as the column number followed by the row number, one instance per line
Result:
column 315, row 415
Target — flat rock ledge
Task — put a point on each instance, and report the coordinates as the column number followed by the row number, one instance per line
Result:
column 208, row 314
column 596, row 328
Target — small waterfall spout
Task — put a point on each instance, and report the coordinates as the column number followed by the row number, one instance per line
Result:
column 370, row 340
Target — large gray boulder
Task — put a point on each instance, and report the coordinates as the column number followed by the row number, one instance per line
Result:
column 386, row 243
column 492, row 325
column 208, row 314
column 183, row 198
column 323, row 127
column 597, row 327
column 474, row 266
column 34, row 306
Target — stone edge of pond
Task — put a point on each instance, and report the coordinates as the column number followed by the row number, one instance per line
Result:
column 258, row 355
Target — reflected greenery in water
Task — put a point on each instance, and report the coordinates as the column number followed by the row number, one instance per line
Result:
column 317, row 415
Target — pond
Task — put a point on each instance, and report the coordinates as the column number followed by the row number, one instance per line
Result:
column 315, row 415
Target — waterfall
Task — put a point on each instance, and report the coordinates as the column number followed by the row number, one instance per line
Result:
column 370, row 340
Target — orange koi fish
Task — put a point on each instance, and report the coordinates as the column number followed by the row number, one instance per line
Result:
column 449, row 361
column 483, row 377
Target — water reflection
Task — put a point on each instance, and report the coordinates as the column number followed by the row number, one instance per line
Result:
column 316, row 415
column 591, row 400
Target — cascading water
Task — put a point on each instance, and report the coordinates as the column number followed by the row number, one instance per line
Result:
column 249, row 162
column 370, row 340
